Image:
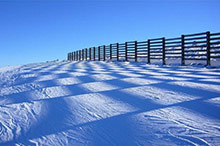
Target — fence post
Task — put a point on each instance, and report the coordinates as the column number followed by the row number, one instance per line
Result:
column 164, row 51
column 76, row 55
column 183, row 49
column 135, row 51
column 83, row 54
column 208, row 47
column 90, row 54
column 86, row 54
column 104, row 52
column 99, row 53
column 126, row 51
column 80, row 54
column 94, row 53
column 148, row 51
column 111, row 52
column 117, row 47
column 72, row 56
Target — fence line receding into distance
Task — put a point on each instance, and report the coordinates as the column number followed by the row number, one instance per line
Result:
column 200, row 46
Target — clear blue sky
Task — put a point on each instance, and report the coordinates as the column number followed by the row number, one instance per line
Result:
column 43, row 30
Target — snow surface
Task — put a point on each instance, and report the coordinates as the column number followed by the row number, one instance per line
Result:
column 109, row 103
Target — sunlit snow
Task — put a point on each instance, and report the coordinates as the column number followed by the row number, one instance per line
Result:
column 109, row 103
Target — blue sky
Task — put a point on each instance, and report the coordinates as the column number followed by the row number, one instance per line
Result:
column 44, row 30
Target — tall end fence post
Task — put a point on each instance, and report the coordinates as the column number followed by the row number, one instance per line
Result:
column 148, row 51
column 111, row 52
column 104, row 52
column 183, row 49
column 126, row 51
column 94, row 53
column 208, row 48
column 117, row 47
column 99, row 53
column 164, row 51
column 86, row 54
column 90, row 54
column 135, row 51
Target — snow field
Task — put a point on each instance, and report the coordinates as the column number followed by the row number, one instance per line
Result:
column 109, row 103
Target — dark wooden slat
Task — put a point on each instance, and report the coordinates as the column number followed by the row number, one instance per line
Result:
column 214, row 34
column 157, row 42
column 195, row 38
column 151, row 40
column 197, row 42
column 171, row 46
column 195, row 34
column 196, row 50
column 142, row 45
column 215, row 56
column 157, row 58
column 156, row 45
column 193, row 55
column 212, row 39
column 173, row 56
column 197, row 46
column 142, row 42
column 195, row 58
column 214, row 43
column 172, row 39
column 176, row 42
column 173, row 53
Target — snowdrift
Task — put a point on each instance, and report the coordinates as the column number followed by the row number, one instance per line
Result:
column 109, row 103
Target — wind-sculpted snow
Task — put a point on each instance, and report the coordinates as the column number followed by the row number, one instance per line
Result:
column 109, row 103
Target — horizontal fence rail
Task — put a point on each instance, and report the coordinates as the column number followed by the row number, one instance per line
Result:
column 200, row 46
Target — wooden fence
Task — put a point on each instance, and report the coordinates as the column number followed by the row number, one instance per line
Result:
column 200, row 46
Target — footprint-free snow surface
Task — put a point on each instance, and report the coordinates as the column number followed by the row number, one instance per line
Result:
column 109, row 103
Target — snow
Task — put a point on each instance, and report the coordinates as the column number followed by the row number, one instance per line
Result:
column 109, row 103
